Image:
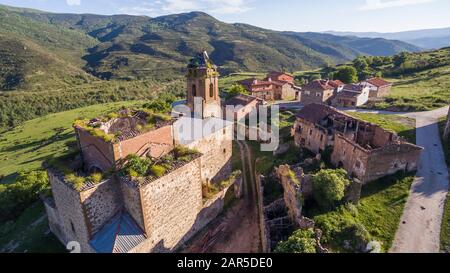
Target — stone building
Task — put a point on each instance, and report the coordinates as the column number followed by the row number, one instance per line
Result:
column 156, row 213
column 351, row 95
column 366, row 151
column 379, row 88
column 244, row 105
column 276, row 86
column 447, row 126
column 320, row 91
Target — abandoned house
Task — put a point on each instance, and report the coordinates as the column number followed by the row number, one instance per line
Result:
column 378, row 87
column 320, row 91
column 155, row 212
column 276, row 86
column 366, row 151
column 351, row 95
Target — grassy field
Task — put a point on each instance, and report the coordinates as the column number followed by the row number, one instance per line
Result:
column 403, row 126
column 25, row 147
column 226, row 82
column 445, row 228
column 379, row 211
column 29, row 233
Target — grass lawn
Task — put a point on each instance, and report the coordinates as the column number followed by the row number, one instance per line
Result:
column 28, row 233
column 445, row 227
column 226, row 82
column 379, row 211
column 25, row 147
column 422, row 91
column 403, row 126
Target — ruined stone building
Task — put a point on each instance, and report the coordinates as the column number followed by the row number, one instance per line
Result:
column 276, row 86
column 366, row 151
column 447, row 126
column 320, row 91
column 155, row 213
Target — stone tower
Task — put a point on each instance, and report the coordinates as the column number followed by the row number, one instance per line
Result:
column 203, row 87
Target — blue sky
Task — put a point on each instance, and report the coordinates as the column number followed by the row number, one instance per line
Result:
column 294, row 15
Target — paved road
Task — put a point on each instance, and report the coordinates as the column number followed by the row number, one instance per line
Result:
column 420, row 225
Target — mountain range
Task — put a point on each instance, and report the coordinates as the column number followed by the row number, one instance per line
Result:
column 426, row 38
column 38, row 48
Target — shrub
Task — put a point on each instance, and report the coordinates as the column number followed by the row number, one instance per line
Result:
column 158, row 170
column 301, row 241
column 136, row 166
column 329, row 187
column 181, row 151
column 15, row 197
column 77, row 181
column 96, row 178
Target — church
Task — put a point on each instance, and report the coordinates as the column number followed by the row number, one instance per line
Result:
column 161, row 210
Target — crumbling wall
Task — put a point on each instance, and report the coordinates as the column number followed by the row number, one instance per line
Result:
column 171, row 206
column 131, row 197
column 71, row 213
column 53, row 219
column 156, row 143
column 95, row 151
column 447, row 127
column 309, row 136
column 100, row 203
column 292, row 193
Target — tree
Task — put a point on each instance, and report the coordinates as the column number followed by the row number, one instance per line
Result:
column 235, row 90
column 400, row 59
column 301, row 241
column 360, row 64
column 329, row 187
column 347, row 74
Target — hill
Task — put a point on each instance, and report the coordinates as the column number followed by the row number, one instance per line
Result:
column 426, row 38
column 129, row 47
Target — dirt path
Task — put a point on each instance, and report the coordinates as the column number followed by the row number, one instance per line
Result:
column 420, row 225
column 237, row 231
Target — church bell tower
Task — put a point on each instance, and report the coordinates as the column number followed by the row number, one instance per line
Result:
column 203, row 87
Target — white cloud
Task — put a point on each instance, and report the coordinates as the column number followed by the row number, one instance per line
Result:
column 384, row 4
column 159, row 7
column 73, row 2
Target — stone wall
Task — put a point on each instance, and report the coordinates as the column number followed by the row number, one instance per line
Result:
column 171, row 206
column 95, row 151
column 54, row 221
column 309, row 136
column 131, row 197
column 72, row 215
column 292, row 193
column 217, row 150
column 100, row 203
column 447, row 127
column 369, row 165
column 156, row 142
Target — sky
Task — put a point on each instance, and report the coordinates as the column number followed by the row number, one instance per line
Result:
column 287, row 15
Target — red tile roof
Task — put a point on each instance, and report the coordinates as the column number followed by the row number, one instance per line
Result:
column 320, row 85
column 336, row 83
column 378, row 82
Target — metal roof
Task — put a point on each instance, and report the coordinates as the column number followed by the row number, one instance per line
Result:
column 119, row 235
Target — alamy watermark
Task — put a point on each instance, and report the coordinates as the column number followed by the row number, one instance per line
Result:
column 258, row 123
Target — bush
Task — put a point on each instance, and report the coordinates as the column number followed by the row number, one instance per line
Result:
column 301, row 241
column 77, row 181
column 14, row 198
column 329, row 187
column 136, row 166
column 96, row 178
column 158, row 170
column 347, row 74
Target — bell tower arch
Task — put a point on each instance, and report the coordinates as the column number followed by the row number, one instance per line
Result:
column 203, row 87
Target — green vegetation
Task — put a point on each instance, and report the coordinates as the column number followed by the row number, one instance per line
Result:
column 235, row 90
column 301, row 241
column 403, row 126
column 212, row 189
column 329, row 187
column 346, row 74
column 29, row 233
column 16, row 197
column 378, row 213
column 27, row 146
column 445, row 227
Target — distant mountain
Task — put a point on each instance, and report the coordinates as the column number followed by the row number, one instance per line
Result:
column 134, row 47
column 427, row 38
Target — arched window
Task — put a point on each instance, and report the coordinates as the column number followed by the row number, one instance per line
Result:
column 211, row 90
column 194, row 90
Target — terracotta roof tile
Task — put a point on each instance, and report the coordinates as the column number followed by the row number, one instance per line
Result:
column 378, row 82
